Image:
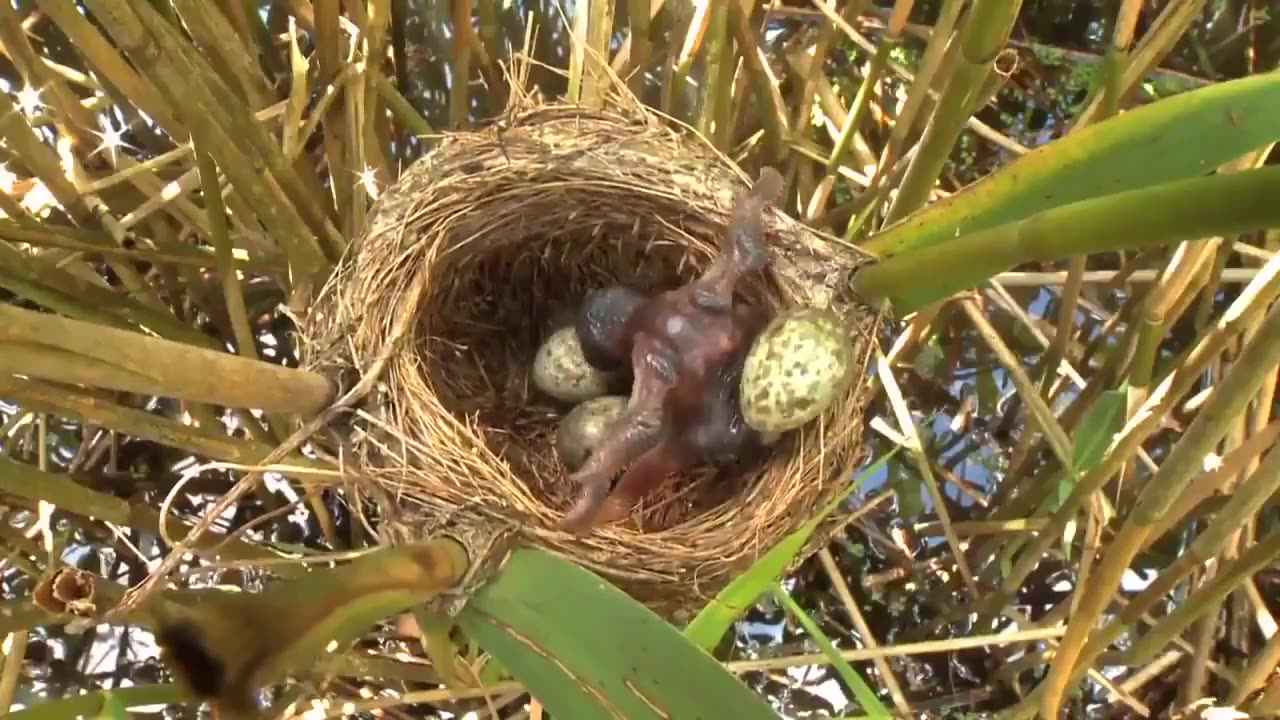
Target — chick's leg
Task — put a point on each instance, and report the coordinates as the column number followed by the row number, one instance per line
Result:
column 634, row 434
column 638, row 430
column 641, row 479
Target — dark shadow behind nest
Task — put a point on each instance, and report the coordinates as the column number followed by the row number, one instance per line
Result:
column 488, row 244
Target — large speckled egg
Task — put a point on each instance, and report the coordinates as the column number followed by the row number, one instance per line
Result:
column 561, row 370
column 798, row 365
column 584, row 428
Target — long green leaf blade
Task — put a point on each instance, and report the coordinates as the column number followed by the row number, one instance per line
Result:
column 1188, row 209
column 1100, row 424
column 96, row 703
column 565, row 694
column 706, row 629
column 568, row 635
column 1180, row 137
column 861, row 690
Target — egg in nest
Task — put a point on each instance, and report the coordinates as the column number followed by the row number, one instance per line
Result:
column 799, row 364
column 584, row 428
column 561, row 370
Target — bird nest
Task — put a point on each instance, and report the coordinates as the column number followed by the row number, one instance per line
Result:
column 482, row 249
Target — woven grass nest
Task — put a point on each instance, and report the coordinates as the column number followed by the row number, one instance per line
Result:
column 476, row 255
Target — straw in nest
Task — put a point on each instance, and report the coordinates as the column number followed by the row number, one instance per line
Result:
column 483, row 248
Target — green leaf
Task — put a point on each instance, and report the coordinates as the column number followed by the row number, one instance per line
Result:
column 1098, row 428
column 988, row 391
column 113, row 708
column 493, row 672
column 562, row 693
column 907, row 485
column 931, row 357
column 1147, row 217
column 96, row 703
column 1093, row 436
column 587, row 650
column 438, row 645
column 30, row 483
column 718, row 616
column 255, row 639
column 1176, row 138
column 861, row 690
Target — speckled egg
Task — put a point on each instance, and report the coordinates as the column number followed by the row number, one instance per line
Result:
column 800, row 363
column 583, row 429
column 561, row 371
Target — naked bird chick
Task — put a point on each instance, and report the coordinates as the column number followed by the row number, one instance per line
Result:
column 686, row 349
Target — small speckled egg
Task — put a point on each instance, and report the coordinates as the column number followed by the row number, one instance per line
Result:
column 561, row 371
column 584, row 428
column 797, row 366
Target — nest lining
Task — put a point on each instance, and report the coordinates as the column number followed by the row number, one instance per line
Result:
column 486, row 246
